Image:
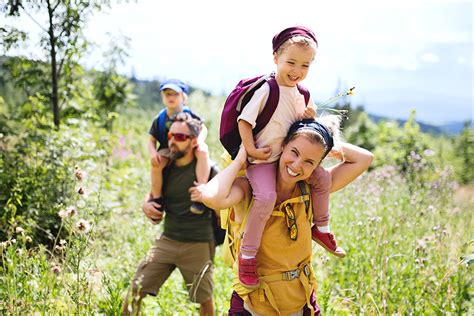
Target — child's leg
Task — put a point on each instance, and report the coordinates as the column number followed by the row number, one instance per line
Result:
column 203, row 166
column 320, row 182
column 203, row 170
column 262, row 178
column 157, row 175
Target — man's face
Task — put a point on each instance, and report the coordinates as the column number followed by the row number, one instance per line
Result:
column 180, row 148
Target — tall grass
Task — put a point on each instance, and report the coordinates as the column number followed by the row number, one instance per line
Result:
column 405, row 236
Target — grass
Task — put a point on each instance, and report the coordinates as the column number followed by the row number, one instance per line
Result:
column 405, row 238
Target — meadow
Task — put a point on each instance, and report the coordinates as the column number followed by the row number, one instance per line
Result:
column 408, row 235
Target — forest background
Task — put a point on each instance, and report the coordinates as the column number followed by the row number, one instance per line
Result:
column 74, row 170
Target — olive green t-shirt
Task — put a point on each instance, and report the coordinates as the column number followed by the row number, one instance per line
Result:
column 180, row 223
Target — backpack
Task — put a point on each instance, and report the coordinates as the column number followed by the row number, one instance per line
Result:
column 234, row 231
column 163, row 135
column 236, row 101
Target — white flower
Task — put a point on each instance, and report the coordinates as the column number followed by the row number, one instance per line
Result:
column 83, row 226
column 69, row 212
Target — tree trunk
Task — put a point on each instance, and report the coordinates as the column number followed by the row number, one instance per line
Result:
column 54, row 72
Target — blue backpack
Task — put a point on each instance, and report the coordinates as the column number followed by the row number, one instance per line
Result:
column 236, row 101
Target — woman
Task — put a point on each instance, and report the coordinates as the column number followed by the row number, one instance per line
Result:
column 285, row 272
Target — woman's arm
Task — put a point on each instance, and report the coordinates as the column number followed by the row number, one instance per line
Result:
column 224, row 190
column 357, row 160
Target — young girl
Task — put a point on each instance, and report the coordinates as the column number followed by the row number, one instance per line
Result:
column 174, row 95
column 294, row 49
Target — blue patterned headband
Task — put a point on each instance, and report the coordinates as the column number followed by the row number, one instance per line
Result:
column 312, row 125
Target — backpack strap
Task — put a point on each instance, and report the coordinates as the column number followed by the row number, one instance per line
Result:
column 270, row 106
column 305, row 93
column 304, row 191
column 162, row 127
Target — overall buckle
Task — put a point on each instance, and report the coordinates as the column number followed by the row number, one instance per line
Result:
column 291, row 275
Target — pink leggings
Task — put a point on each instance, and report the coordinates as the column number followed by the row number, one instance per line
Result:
column 262, row 178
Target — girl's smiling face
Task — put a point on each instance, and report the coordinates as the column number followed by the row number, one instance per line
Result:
column 293, row 64
column 299, row 159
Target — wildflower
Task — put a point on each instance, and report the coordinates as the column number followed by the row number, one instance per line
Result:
column 69, row 212
column 28, row 239
column 19, row 252
column 83, row 226
column 79, row 174
column 19, row 230
column 56, row 269
column 428, row 152
column 81, row 191
column 63, row 242
column 351, row 91
column 4, row 245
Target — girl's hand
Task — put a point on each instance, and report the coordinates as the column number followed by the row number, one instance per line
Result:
column 309, row 112
column 261, row 153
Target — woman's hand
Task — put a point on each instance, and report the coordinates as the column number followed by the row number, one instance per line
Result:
column 241, row 158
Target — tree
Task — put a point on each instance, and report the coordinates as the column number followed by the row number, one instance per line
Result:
column 61, row 39
column 464, row 150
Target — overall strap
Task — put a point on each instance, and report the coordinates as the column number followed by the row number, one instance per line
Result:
column 304, row 192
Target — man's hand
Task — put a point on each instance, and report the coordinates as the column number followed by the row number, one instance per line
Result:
column 151, row 211
column 196, row 192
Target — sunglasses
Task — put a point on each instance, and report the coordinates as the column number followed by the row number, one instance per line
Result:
column 291, row 222
column 179, row 137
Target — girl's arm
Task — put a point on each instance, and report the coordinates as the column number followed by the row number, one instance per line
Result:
column 245, row 131
column 224, row 190
column 357, row 160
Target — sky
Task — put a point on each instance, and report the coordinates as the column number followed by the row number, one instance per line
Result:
column 400, row 55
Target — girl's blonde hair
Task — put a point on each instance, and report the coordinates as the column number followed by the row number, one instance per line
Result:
column 301, row 41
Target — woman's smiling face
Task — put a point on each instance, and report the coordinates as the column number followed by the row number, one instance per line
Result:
column 299, row 159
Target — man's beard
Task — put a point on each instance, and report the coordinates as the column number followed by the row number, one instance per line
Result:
column 175, row 155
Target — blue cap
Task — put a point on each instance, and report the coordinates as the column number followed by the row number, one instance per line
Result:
column 174, row 84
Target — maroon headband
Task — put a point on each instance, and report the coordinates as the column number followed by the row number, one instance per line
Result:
column 290, row 32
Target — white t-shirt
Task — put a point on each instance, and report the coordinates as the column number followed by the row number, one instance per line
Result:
column 290, row 108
